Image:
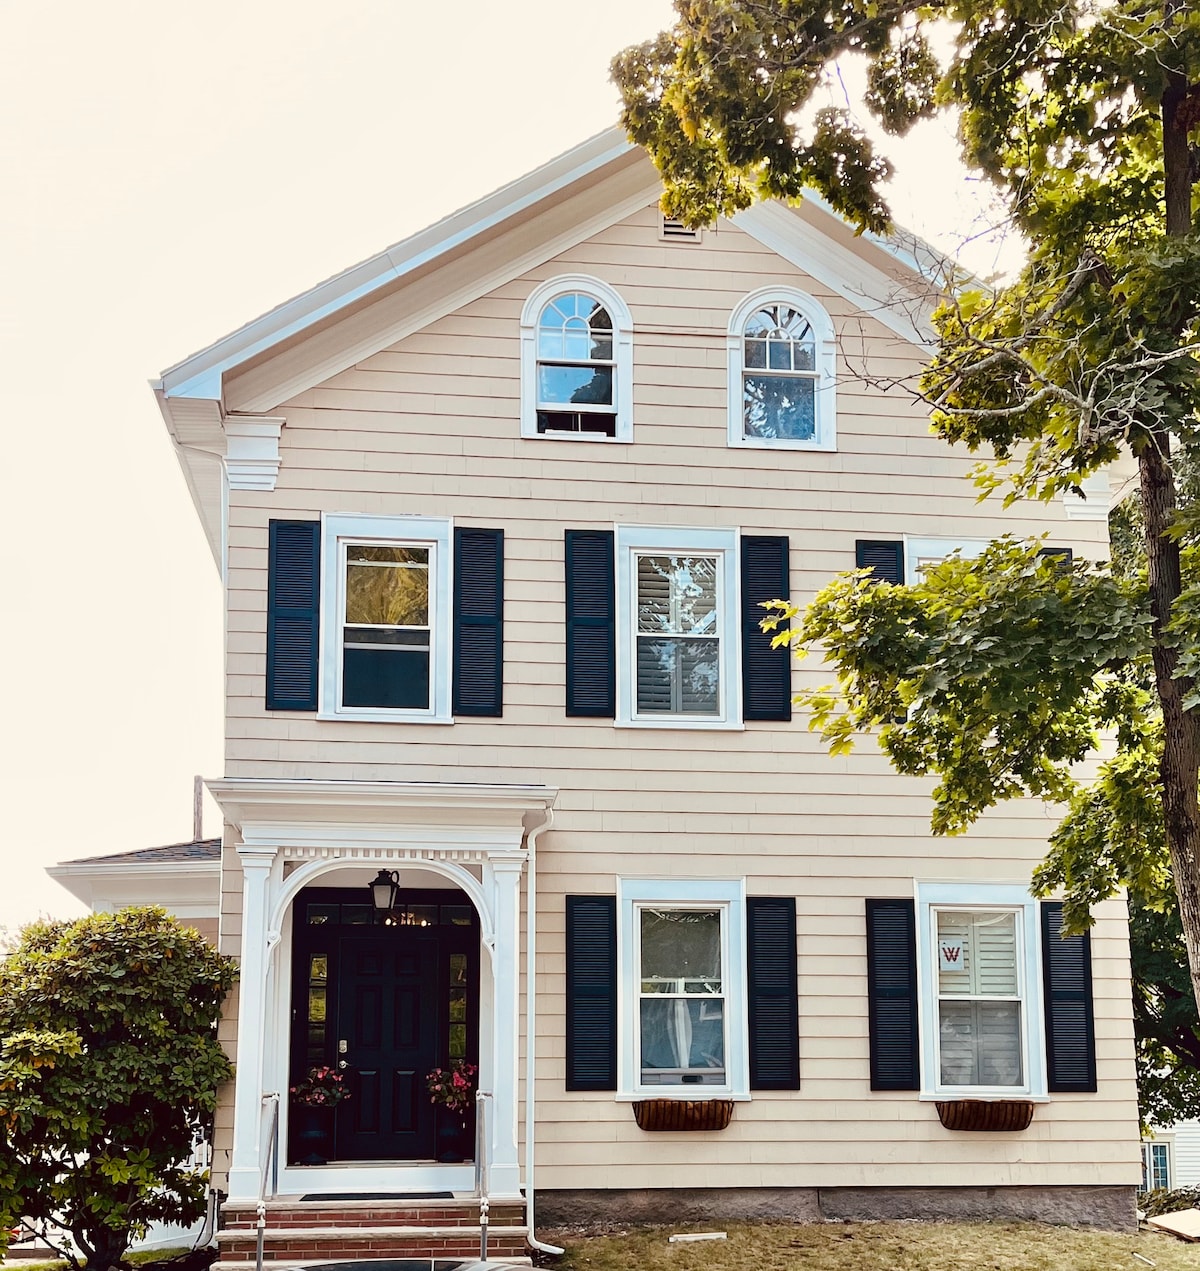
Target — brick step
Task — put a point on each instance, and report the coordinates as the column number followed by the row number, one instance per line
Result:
column 290, row 1215
column 238, row 1248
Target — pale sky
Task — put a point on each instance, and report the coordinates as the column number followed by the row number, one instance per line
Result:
column 171, row 171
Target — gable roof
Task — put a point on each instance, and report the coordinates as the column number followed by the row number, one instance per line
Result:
column 213, row 395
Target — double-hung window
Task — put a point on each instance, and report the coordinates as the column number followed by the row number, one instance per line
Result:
column 923, row 553
column 385, row 618
column 1156, row 1166
column 676, row 605
column 782, row 372
column 980, row 990
column 576, row 362
column 683, row 970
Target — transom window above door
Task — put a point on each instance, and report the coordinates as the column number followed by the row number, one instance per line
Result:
column 576, row 362
column 781, row 373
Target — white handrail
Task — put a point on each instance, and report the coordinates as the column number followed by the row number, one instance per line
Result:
column 482, row 1184
column 272, row 1156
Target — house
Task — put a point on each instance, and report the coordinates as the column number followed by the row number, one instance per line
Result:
column 495, row 511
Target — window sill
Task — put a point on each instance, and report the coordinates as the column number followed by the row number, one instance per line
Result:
column 691, row 725
column 577, row 436
column 383, row 717
column 682, row 1094
column 980, row 1096
column 761, row 443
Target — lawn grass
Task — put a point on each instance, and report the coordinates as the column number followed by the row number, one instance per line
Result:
column 875, row 1246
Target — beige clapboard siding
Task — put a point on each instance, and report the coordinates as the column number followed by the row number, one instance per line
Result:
column 431, row 426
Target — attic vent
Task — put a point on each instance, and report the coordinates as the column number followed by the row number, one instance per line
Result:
column 678, row 232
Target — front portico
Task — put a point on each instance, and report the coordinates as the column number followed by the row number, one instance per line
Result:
column 295, row 836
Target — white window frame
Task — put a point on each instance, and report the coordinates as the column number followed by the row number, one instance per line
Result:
column 825, row 409
column 418, row 531
column 634, row 540
column 914, row 547
column 622, row 322
column 727, row 895
column 1168, row 1147
column 1015, row 897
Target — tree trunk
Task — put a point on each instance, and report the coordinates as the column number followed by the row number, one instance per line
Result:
column 1179, row 768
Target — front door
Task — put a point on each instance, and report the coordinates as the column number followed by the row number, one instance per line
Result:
column 388, row 1000
column 388, row 1038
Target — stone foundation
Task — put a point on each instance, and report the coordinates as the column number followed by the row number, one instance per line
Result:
column 1109, row 1208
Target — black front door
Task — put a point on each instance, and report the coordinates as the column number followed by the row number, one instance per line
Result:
column 387, row 1034
column 391, row 999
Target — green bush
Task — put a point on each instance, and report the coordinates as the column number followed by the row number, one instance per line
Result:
column 109, row 1067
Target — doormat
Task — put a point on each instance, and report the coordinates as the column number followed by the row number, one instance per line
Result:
column 330, row 1196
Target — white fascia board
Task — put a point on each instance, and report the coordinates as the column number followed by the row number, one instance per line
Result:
column 871, row 290
column 200, row 375
column 173, row 884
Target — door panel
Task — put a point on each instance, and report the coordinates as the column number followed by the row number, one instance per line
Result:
column 388, row 1017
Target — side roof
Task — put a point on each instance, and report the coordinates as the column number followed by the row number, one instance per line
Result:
column 184, row 877
column 217, row 402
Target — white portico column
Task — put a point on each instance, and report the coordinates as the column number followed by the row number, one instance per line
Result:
column 245, row 1172
column 502, row 881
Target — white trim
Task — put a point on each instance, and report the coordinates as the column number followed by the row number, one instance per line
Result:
column 200, row 375
column 622, row 321
column 432, row 532
column 931, row 897
column 897, row 304
column 914, row 548
column 633, row 539
column 730, row 896
column 825, row 406
column 1094, row 503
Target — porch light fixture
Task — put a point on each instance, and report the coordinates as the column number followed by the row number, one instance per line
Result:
column 384, row 888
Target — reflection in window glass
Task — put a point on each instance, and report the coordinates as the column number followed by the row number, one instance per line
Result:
column 386, row 626
column 322, row 915
column 979, row 998
column 779, row 375
column 457, row 1013
column 318, row 989
column 681, row 1017
column 678, row 646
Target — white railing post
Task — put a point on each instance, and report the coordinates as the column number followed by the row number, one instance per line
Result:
column 481, row 1168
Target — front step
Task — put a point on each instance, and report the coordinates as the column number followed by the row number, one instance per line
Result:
column 351, row 1231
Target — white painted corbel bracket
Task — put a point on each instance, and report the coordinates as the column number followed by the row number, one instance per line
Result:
column 252, row 450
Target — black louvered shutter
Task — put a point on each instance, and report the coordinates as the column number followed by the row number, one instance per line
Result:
column 1061, row 555
column 892, row 994
column 1070, row 1026
column 293, row 614
column 591, row 623
column 766, row 672
column 885, row 560
column 591, row 993
column 478, row 622
column 774, row 1001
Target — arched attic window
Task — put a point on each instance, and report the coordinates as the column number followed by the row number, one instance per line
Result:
column 782, row 367
column 576, row 362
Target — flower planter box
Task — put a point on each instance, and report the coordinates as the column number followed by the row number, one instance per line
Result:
column 683, row 1114
column 983, row 1114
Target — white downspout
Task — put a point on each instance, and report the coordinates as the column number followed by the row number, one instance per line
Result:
column 530, row 1028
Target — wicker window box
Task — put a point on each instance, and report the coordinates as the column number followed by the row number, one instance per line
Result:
column 985, row 1114
column 683, row 1114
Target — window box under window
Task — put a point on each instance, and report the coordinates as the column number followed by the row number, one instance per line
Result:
column 683, row 1114
column 985, row 1114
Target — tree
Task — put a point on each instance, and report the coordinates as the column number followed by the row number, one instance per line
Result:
column 998, row 675
column 109, row 1066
